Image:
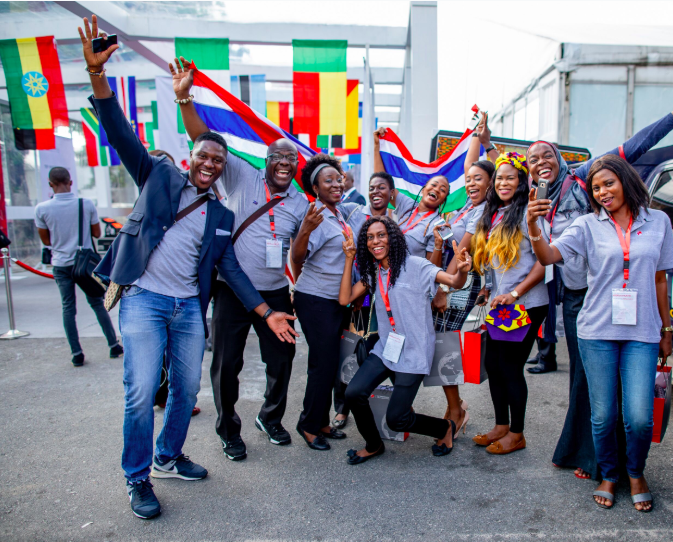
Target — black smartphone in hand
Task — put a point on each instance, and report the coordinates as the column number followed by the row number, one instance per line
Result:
column 542, row 189
column 481, row 298
column 100, row 44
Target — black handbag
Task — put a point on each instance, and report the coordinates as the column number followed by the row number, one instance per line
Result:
column 86, row 260
column 4, row 240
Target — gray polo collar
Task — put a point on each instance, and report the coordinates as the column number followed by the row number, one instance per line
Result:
column 643, row 216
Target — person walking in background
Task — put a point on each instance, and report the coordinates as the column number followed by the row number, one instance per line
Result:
column 57, row 222
column 351, row 195
column 624, row 324
column 163, row 259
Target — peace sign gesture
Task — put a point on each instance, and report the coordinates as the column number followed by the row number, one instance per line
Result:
column 94, row 60
column 313, row 218
column 349, row 244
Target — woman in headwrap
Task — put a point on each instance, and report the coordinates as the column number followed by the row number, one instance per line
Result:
column 575, row 448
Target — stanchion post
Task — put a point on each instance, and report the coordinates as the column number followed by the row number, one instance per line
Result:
column 13, row 333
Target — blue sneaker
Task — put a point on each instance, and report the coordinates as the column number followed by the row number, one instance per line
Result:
column 180, row 467
column 144, row 503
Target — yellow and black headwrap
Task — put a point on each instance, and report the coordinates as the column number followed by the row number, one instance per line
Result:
column 513, row 158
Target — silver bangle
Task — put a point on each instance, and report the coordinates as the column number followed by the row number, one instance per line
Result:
column 184, row 101
column 536, row 238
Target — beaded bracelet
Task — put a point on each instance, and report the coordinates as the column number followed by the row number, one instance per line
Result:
column 184, row 100
column 97, row 74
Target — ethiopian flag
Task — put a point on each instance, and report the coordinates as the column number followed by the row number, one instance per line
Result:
column 97, row 154
column 319, row 88
column 35, row 88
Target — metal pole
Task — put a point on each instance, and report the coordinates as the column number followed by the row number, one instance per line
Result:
column 13, row 333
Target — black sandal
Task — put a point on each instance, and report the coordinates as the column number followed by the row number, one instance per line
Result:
column 439, row 451
column 355, row 459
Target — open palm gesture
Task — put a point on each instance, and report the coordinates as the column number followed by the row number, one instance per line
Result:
column 183, row 78
column 94, row 60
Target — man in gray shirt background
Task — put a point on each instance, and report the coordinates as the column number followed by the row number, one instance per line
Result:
column 57, row 222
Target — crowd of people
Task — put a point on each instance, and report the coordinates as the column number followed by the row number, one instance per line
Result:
column 592, row 244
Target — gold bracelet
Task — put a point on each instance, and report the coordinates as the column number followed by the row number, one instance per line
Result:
column 97, row 74
column 665, row 329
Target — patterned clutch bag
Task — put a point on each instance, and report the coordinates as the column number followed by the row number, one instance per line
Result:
column 508, row 323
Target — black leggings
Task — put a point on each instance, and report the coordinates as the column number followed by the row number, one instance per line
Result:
column 399, row 415
column 504, row 364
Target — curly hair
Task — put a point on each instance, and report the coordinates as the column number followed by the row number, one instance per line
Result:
column 636, row 195
column 397, row 252
column 310, row 166
column 505, row 239
column 385, row 176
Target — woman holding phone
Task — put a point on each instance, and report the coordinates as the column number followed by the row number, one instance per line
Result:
column 404, row 285
column 624, row 324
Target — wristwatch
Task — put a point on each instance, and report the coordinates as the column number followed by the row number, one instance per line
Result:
column 515, row 294
column 267, row 313
column 492, row 147
column 444, row 288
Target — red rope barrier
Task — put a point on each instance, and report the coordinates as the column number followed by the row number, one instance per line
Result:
column 31, row 269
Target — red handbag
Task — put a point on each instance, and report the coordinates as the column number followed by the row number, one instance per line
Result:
column 662, row 401
column 473, row 352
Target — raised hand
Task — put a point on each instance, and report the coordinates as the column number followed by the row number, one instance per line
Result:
column 536, row 207
column 463, row 258
column 348, row 245
column 483, row 130
column 183, row 78
column 379, row 133
column 278, row 323
column 94, row 60
column 313, row 218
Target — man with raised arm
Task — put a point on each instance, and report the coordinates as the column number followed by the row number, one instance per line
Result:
column 176, row 236
column 262, row 243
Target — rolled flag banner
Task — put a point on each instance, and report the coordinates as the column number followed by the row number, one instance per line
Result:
column 508, row 323
column 247, row 132
column 125, row 89
column 97, row 154
column 411, row 175
column 35, row 89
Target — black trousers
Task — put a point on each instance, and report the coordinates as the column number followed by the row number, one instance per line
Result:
column 321, row 321
column 399, row 415
column 546, row 352
column 230, row 327
column 504, row 365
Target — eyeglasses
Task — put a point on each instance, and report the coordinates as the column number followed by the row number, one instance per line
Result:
column 277, row 157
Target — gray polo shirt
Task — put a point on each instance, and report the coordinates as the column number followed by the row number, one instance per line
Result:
column 410, row 299
column 420, row 238
column 467, row 223
column 60, row 215
column 504, row 281
column 574, row 271
column 324, row 265
column 173, row 265
column 595, row 239
column 244, row 187
column 354, row 215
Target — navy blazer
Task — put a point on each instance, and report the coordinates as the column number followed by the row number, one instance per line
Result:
column 355, row 197
column 161, row 185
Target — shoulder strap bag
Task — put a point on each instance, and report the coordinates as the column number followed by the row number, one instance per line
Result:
column 254, row 216
column 86, row 260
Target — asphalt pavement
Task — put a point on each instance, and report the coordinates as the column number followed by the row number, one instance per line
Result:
column 61, row 441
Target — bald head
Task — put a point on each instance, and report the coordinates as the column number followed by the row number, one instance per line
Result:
column 349, row 180
column 281, row 164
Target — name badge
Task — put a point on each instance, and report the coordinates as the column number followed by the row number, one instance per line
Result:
column 274, row 253
column 548, row 273
column 624, row 306
column 393, row 347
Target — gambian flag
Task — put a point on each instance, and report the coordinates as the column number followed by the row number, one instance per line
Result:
column 247, row 133
column 35, row 89
column 411, row 175
column 319, row 88
column 97, row 154
column 279, row 114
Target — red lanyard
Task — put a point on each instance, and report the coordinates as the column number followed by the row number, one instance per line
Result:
column 551, row 224
column 271, row 218
column 493, row 225
column 411, row 218
column 341, row 220
column 463, row 214
column 386, row 299
column 626, row 246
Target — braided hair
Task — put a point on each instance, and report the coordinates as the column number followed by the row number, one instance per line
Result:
column 397, row 252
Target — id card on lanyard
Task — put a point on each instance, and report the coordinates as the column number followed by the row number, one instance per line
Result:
column 624, row 300
column 395, row 341
column 274, row 247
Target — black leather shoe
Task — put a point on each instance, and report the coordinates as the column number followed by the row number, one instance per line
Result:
column 542, row 367
column 439, row 451
column 533, row 361
column 319, row 443
column 339, row 424
column 334, row 434
column 355, row 459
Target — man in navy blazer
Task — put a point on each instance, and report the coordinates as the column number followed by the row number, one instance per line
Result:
column 351, row 195
column 167, row 259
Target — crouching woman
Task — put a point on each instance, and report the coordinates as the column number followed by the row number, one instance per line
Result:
column 404, row 286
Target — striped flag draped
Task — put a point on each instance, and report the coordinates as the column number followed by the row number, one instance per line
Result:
column 411, row 175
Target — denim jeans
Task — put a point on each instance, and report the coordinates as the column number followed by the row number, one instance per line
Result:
column 151, row 324
column 66, row 285
column 636, row 363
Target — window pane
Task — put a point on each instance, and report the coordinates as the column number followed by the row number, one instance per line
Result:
column 662, row 198
column 650, row 103
column 597, row 116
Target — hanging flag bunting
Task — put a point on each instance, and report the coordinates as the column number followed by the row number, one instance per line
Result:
column 151, row 128
column 35, row 89
column 211, row 54
column 97, row 154
column 247, row 132
column 319, row 87
column 411, row 175
column 352, row 114
column 251, row 90
column 279, row 114
column 125, row 89
column 171, row 140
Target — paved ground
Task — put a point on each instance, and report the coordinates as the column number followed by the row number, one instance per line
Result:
column 60, row 443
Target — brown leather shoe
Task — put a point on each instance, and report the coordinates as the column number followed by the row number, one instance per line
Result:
column 483, row 440
column 497, row 449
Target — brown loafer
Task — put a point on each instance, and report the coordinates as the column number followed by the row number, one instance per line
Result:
column 483, row 440
column 497, row 449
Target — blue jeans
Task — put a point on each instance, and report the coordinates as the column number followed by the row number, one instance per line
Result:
column 66, row 285
column 605, row 362
column 151, row 324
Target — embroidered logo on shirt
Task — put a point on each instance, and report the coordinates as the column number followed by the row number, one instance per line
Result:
column 639, row 233
column 254, row 202
column 203, row 212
